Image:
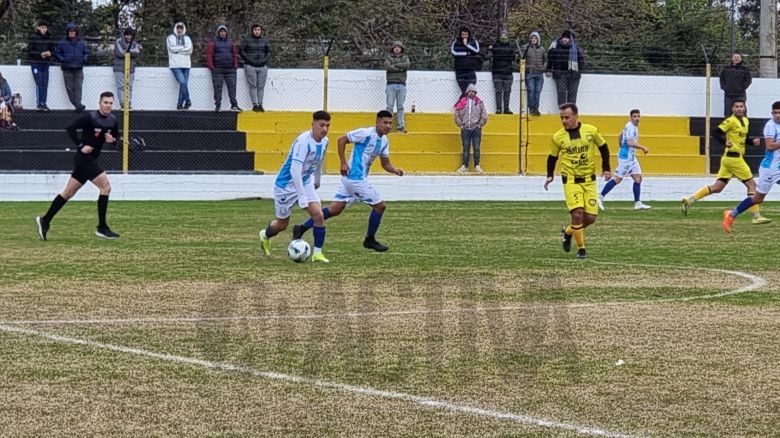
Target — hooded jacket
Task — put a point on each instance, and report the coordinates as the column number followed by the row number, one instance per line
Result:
column 397, row 66
column 470, row 113
column 38, row 43
column 179, row 48
column 255, row 51
column 735, row 80
column 221, row 52
column 535, row 55
column 504, row 55
column 120, row 48
column 71, row 54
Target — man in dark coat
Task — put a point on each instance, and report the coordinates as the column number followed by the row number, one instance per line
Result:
column 465, row 49
column 734, row 81
column 565, row 62
column 72, row 54
column 40, row 52
column 504, row 55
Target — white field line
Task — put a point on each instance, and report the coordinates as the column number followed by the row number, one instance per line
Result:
column 322, row 384
column 756, row 282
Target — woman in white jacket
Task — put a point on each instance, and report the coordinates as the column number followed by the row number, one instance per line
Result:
column 179, row 50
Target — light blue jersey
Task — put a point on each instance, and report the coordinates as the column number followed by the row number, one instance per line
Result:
column 306, row 151
column 626, row 152
column 367, row 146
column 771, row 158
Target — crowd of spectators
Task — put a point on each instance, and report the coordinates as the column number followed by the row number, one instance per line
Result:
column 562, row 60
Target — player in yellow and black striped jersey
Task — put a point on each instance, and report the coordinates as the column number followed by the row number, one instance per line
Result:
column 733, row 134
column 575, row 144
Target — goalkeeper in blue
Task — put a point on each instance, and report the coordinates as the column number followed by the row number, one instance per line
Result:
column 768, row 171
column 370, row 143
column 627, row 162
column 297, row 182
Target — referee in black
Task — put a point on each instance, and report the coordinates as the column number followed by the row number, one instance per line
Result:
column 98, row 128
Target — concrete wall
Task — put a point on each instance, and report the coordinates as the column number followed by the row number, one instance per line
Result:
column 43, row 187
column 363, row 90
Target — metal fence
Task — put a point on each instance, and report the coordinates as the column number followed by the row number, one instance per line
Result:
column 202, row 140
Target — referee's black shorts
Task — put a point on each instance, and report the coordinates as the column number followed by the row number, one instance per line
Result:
column 86, row 168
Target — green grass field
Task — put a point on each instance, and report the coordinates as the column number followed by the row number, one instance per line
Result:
column 475, row 323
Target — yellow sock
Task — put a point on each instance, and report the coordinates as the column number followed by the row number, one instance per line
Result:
column 579, row 235
column 702, row 192
column 568, row 230
column 756, row 208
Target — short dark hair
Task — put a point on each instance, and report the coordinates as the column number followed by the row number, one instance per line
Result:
column 384, row 114
column 776, row 105
column 43, row 23
column 321, row 115
column 740, row 100
column 633, row 111
column 571, row 106
column 106, row 94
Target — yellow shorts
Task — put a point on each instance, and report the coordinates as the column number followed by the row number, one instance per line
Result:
column 734, row 167
column 583, row 195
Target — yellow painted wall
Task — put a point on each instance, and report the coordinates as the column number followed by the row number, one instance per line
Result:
column 432, row 144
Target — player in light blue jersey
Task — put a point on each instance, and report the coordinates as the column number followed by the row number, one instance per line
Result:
column 297, row 181
column 370, row 143
column 768, row 171
column 627, row 162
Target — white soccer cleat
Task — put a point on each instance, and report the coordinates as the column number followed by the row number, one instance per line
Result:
column 478, row 169
column 462, row 169
column 600, row 201
column 640, row 206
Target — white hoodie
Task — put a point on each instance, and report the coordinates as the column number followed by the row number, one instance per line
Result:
column 178, row 53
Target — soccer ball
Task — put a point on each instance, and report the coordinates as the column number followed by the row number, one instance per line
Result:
column 298, row 250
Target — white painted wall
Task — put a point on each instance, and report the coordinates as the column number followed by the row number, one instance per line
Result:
column 363, row 90
column 43, row 187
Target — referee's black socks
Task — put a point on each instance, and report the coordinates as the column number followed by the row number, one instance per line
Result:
column 56, row 205
column 102, row 210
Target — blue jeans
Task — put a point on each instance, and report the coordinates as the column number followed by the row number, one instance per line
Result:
column 471, row 137
column 534, row 83
column 182, row 76
column 41, row 75
column 396, row 96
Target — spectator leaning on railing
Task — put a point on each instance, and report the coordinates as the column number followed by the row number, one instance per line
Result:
column 125, row 44
column 40, row 52
column 179, row 47
column 72, row 54
column 255, row 52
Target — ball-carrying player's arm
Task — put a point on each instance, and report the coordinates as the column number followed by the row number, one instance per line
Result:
column 342, row 148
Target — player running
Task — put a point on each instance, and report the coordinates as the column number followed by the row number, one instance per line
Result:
column 628, row 164
column 370, row 143
column 768, row 171
column 576, row 144
column 733, row 134
column 297, row 181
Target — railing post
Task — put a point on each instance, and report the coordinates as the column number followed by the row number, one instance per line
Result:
column 126, row 116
